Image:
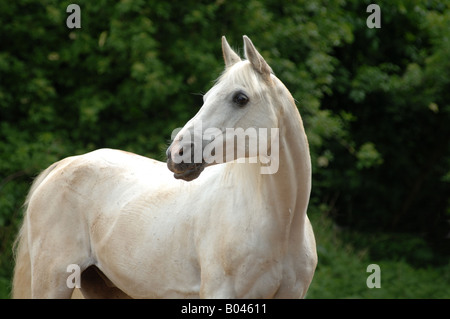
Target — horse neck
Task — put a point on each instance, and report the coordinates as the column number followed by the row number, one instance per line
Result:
column 295, row 162
column 289, row 188
column 287, row 191
column 292, row 182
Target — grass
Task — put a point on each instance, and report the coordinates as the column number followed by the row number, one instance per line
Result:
column 344, row 256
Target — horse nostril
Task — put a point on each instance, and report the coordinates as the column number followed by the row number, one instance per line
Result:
column 189, row 148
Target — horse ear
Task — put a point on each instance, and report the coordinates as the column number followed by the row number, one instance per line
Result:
column 229, row 55
column 257, row 61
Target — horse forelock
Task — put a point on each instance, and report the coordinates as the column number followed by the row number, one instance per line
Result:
column 242, row 73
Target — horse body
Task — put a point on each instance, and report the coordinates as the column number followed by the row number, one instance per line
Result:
column 129, row 209
column 230, row 233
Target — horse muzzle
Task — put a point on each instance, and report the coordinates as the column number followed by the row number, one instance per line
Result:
column 183, row 164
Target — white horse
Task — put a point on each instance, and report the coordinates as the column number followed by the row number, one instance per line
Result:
column 232, row 231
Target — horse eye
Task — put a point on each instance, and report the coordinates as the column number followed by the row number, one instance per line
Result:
column 240, row 99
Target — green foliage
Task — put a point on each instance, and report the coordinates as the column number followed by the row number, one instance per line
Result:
column 387, row 171
column 375, row 104
column 368, row 156
column 404, row 262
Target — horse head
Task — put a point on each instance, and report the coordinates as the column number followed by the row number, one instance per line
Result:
column 235, row 121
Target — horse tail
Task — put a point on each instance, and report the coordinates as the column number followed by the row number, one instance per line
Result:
column 21, row 287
